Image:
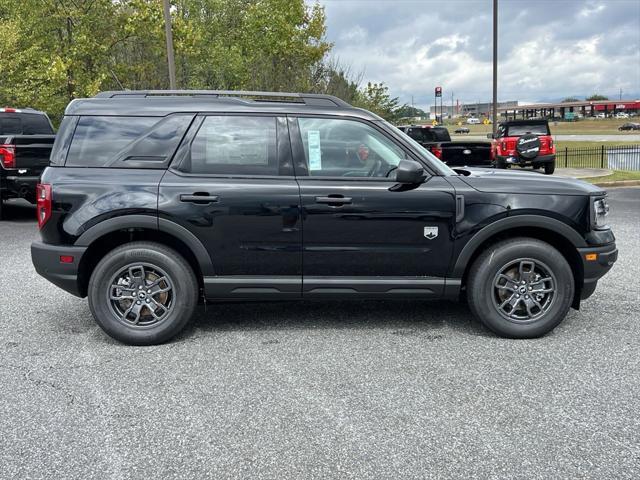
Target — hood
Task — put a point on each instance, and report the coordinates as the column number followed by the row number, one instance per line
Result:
column 523, row 181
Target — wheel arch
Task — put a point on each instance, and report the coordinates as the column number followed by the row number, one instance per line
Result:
column 561, row 236
column 114, row 232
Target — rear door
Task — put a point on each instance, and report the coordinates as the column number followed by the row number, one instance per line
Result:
column 232, row 186
column 364, row 234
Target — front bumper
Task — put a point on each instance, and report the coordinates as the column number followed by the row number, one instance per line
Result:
column 516, row 160
column 46, row 260
column 595, row 269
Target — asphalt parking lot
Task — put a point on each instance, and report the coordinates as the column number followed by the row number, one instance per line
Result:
column 311, row 390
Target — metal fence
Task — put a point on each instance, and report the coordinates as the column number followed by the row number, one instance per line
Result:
column 621, row 157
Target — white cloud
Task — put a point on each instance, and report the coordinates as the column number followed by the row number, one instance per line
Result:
column 547, row 48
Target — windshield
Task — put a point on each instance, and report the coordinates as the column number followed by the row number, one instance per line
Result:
column 434, row 161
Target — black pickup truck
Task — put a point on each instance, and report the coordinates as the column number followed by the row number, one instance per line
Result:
column 26, row 139
column 455, row 154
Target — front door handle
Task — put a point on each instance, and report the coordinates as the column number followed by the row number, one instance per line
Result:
column 334, row 200
column 202, row 198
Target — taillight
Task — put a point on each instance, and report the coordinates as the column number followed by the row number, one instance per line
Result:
column 8, row 156
column 437, row 151
column 43, row 195
column 552, row 147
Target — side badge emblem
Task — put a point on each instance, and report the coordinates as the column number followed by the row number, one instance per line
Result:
column 430, row 232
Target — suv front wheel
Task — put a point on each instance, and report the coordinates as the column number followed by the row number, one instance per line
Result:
column 520, row 288
column 142, row 293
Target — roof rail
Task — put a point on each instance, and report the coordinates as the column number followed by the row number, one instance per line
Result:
column 316, row 99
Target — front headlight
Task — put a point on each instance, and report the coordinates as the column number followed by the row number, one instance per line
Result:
column 600, row 213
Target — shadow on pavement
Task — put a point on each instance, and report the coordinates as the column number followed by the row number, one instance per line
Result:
column 397, row 316
column 18, row 211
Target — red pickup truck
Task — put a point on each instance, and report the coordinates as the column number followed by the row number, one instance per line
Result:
column 524, row 143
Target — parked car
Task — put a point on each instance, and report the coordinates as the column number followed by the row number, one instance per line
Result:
column 26, row 138
column 629, row 126
column 524, row 143
column 601, row 115
column 622, row 115
column 438, row 141
column 473, row 121
column 153, row 203
column 461, row 130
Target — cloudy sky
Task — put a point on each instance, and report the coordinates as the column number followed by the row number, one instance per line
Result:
column 548, row 49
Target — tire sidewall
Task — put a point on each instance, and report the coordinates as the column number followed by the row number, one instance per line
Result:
column 495, row 262
column 184, row 295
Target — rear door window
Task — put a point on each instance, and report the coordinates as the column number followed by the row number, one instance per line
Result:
column 234, row 145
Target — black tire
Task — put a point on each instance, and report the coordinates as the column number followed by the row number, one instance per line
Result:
column 485, row 297
column 501, row 164
column 1, row 209
column 549, row 168
column 151, row 262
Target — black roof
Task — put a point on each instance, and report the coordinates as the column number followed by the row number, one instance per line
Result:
column 164, row 102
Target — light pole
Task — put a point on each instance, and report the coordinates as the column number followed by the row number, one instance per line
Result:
column 169, row 36
column 495, row 67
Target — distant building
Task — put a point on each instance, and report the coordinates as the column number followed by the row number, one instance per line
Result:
column 476, row 109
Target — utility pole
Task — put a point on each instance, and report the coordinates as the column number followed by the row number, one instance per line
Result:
column 169, row 37
column 495, row 66
column 451, row 106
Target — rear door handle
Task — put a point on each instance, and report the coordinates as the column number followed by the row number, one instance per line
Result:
column 202, row 198
column 334, row 200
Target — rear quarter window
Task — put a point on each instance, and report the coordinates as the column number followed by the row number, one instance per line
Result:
column 97, row 140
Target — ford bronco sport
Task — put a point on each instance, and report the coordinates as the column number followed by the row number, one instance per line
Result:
column 158, row 200
column 525, row 143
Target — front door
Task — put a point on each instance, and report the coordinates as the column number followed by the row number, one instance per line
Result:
column 364, row 234
column 232, row 186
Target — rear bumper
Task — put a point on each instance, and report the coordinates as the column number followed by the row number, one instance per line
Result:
column 46, row 260
column 516, row 160
column 594, row 270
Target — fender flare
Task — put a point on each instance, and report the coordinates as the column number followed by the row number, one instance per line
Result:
column 516, row 221
column 151, row 223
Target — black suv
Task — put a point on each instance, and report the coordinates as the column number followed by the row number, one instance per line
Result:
column 156, row 200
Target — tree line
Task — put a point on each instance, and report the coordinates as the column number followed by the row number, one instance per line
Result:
column 56, row 50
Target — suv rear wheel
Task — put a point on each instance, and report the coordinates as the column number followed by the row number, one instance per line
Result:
column 520, row 288
column 142, row 293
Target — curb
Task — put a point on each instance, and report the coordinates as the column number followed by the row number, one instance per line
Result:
column 618, row 183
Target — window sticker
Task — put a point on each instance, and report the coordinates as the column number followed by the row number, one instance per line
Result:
column 315, row 155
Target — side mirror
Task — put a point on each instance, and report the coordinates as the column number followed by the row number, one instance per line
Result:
column 490, row 135
column 409, row 171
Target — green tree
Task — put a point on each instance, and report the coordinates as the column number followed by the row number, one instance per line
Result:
column 597, row 97
column 570, row 99
column 61, row 50
column 375, row 97
column 407, row 111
